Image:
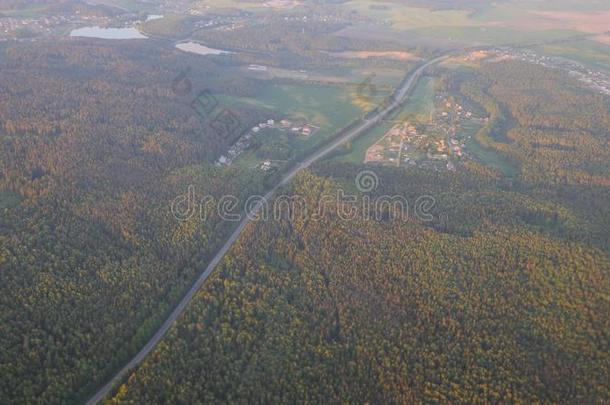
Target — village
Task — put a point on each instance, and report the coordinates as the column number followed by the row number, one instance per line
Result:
column 594, row 79
column 15, row 28
column 294, row 128
column 438, row 144
column 25, row 27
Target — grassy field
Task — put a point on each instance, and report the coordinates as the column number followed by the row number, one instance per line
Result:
column 252, row 6
column 511, row 12
column 171, row 26
column 383, row 77
column 404, row 18
column 491, row 35
column 589, row 53
column 324, row 106
column 510, row 22
column 130, row 5
column 327, row 107
column 487, row 156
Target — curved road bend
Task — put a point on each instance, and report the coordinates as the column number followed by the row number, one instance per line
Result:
column 400, row 95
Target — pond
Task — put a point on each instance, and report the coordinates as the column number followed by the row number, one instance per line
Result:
column 107, row 33
column 194, row 47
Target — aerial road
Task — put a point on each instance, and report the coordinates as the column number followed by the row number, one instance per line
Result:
column 400, row 95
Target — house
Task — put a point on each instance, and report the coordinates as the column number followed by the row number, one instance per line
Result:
column 258, row 67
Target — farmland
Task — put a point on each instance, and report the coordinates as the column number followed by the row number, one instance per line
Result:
column 495, row 23
column 325, row 107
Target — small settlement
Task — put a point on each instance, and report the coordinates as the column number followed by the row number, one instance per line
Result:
column 438, row 144
column 295, row 128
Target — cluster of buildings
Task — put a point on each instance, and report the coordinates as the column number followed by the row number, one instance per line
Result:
column 439, row 147
column 281, row 4
column 12, row 27
column 595, row 80
column 390, row 149
column 448, row 120
column 453, row 115
column 258, row 68
column 404, row 145
column 325, row 18
column 301, row 129
column 15, row 28
column 242, row 144
column 219, row 22
column 268, row 166
column 455, row 111
column 456, row 147
column 234, row 151
column 438, row 150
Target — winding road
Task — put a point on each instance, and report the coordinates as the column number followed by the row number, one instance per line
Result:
column 400, row 96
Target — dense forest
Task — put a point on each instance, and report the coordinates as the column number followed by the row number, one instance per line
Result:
column 500, row 297
column 554, row 131
column 95, row 143
column 334, row 311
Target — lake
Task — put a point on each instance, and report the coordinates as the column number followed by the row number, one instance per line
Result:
column 107, row 33
column 194, row 47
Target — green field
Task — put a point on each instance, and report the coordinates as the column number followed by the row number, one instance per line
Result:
column 590, row 53
column 404, row 17
column 491, row 35
column 496, row 23
column 130, row 5
column 384, row 78
column 328, row 107
column 490, row 158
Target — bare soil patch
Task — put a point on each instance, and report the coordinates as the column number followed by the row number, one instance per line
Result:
column 398, row 55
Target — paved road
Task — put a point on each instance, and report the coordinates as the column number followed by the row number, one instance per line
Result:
column 400, row 96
